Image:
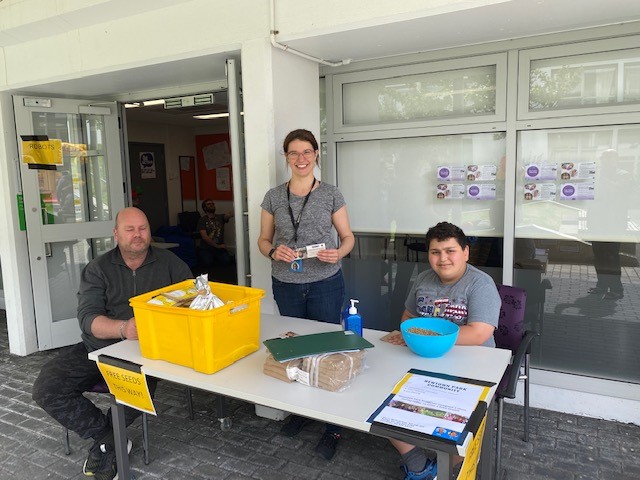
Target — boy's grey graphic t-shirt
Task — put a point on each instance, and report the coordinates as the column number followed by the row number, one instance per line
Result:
column 473, row 298
column 316, row 226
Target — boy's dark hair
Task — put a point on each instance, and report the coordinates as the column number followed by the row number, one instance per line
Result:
column 444, row 231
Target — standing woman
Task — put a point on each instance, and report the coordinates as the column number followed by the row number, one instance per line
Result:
column 298, row 213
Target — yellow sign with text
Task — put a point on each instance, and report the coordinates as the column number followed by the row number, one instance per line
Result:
column 42, row 152
column 470, row 464
column 127, row 382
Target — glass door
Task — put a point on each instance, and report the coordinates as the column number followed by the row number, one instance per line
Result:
column 70, row 204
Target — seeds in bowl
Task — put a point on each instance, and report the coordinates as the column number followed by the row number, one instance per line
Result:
column 423, row 331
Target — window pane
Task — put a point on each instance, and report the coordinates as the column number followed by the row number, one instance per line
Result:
column 576, row 248
column 78, row 190
column 463, row 92
column 413, row 183
column 602, row 79
column 395, row 190
column 65, row 262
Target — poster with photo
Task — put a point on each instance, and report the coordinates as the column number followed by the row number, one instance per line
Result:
column 481, row 191
column 449, row 191
column 578, row 171
column 539, row 191
column 147, row 165
column 481, row 172
column 541, row 171
column 577, row 191
column 451, row 174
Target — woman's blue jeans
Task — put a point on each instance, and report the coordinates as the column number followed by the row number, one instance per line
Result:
column 321, row 300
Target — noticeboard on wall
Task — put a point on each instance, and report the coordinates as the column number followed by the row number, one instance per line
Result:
column 214, row 166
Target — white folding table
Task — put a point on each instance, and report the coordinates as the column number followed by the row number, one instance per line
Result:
column 386, row 365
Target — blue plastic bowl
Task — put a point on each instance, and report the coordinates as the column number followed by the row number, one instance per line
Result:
column 431, row 346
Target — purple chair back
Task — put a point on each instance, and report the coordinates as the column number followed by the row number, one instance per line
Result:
column 511, row 322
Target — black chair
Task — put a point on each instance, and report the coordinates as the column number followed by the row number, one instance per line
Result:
column 511, row 335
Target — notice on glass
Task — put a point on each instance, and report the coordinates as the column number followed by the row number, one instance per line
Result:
column 481, row 172
column 539, row 191
column 450, row 191
column 434, row 405
column 578, row 171
column 481, row 191
column 451, row 174
column 541, row 171
column 577, row 191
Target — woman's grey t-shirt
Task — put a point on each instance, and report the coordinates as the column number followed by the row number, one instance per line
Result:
column 473, row 298
column 316, row 226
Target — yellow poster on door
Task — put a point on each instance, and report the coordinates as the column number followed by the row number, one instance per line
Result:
column 127, row 382
column 42, row 152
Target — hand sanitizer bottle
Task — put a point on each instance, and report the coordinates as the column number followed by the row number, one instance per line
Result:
column 354, row 321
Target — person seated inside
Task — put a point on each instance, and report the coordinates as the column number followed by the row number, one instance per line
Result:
column 212, row 250
column 133, row 267
column 456, row 291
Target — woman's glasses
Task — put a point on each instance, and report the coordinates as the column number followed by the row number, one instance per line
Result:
column 307, row 154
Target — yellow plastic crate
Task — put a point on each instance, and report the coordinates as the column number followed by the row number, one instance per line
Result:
column 206, row 341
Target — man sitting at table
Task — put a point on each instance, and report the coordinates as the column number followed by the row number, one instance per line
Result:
column 105, row 317
column 459, row 292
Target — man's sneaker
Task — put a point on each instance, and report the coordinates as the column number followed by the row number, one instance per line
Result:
column 99, row 458
column 294, row 425
column 429, row 473
column 110, row 470
column 327, row 445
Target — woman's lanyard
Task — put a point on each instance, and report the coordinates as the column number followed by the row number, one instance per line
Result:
column 294, row 222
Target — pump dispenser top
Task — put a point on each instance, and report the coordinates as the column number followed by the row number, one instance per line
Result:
column 353, row 321
column 352, row 309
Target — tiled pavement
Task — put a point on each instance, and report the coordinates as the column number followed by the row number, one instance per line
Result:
column 562, row 447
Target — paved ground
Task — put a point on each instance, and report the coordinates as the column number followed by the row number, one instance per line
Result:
column 562, row 447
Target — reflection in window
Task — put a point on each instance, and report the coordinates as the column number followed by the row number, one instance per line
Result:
column 65, row 262
column 577, row 249
column 468, row 91
column 76, row 191
column 584, row 80
column 392, row 192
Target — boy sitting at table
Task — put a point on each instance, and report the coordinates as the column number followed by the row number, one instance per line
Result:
column 459, row 292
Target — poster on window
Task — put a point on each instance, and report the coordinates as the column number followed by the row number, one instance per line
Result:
column 539, row 191
column 147, row 165
column 578, row 171
column 450, row 191
column 481, row 191
column 449, row 173
column 577, row 191
column 541, row 171
column 477, row 173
